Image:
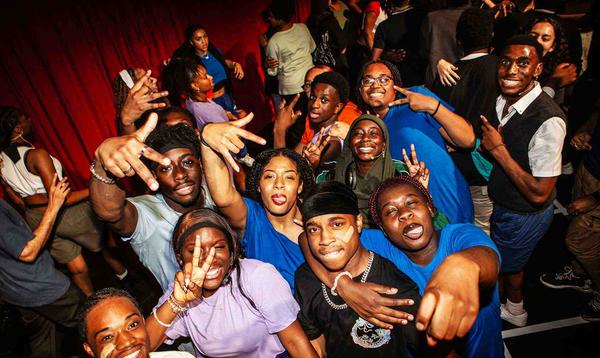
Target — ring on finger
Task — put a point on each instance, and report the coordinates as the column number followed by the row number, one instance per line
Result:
column 144, row 148
column 127, row 171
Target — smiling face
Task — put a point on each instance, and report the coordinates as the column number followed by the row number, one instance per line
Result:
column 334, row 239
column 323, row 103
column 200, row 41
column 180, row 182
column 280, row 185
column 310, row 77
column 406, row 217
column 367, row 141
column 221, row 265
column 545, row 35
column 376, row 94
column 517, row 69
column 203, row 82
column 116, row 328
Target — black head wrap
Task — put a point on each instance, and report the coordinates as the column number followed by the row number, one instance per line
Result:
column 329, row 198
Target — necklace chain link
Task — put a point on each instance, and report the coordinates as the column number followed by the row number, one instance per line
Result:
column 363, row 279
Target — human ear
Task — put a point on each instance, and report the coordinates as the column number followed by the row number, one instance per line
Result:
column 538, row 70
column 359, row 222
column 88, row 349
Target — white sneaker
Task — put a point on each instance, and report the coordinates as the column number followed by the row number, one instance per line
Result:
column 519, row 320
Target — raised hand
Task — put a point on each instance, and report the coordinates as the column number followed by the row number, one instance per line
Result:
column 59, row 190
column 189, row 281
column 226, row 138
column 416, row 101
column 238, row 71
column 416, row 169
column 286, row 116
column 312, row 152
column 339, row 129
column 138, row 100
column 447, row 73
column 121, row 155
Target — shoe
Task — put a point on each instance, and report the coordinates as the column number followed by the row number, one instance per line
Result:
column 519, row 320
column 567, row 169
column 591, row 312
column 566, row 279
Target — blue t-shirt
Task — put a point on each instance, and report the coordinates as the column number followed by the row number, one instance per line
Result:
column 262, row 242
column 448, row 188
column 213, row 67
column 21, row 283
column 485, row 337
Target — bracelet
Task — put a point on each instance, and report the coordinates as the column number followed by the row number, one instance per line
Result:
column 99, row 178
column 496, row 146
column 202, row 141
column 166, row 325
column 337, row 279
column 175, row 307
column 436, row 109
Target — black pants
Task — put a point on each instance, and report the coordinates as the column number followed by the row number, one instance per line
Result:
column 41, row 322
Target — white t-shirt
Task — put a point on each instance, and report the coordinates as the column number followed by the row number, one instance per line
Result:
column 292, row 48
column 170, row 354
column 545, row 147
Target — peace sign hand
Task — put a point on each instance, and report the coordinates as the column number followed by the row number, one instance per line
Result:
column 286, row 116
column 416, row 101
column 312, row 152
column 139, row 100
column 188, row 282
column 416, row 169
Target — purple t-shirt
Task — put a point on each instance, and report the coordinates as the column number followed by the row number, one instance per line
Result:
column 206, row 112
column 226, row 325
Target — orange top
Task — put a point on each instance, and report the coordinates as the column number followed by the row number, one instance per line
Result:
column 348, row 114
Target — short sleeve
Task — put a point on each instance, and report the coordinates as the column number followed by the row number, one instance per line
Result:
column 545, row 148
column 252, row 215
column 14, row 235
column 179, row 327
column 306, row 314
column 144, row 228
column 374, row 240
column 465, row 236
column 272, row 52
column 273, row 297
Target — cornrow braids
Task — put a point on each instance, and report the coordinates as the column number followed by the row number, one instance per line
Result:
column 390, row 183
column 94, row 300
column 307, row 176
column 395, row 75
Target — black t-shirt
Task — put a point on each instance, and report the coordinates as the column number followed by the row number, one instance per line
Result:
column 401, row 31
column 473, row 95
column 347, row 334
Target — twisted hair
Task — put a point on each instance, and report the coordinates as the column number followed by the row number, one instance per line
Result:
column 307, row 177
column 393, row 182
column 9, row 119
column 561, row 47
column 164, row 138
column 94, row 300
column 395, row 75
column 208, row 218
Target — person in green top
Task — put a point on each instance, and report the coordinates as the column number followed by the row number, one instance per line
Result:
column 366, row 161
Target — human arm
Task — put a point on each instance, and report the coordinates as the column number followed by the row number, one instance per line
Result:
column 450, row 302
column 219, row 140
column 536, row 190
column 455, row 129
column 295, row 342
column 447, row 73
column 59, row 189
column 364, row 298
column 369, row 25
column 137, row 102
column 13, row 196
column 284, row 119
column 187, row 287
column 236, row 67
column 584, row 204
column 272, row 58
column 39, row 162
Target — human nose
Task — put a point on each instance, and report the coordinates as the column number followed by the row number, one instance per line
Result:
column 327, row 238
column 405, row 214
column 179, row 173
column 278, row 182
column 125, row 340
column 513, row 68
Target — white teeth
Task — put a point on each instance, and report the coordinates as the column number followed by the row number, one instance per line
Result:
column 333, row 253
column 132, row 355
column 510, row 83
column 365, row 150
column 376, row 95
column 213, row 273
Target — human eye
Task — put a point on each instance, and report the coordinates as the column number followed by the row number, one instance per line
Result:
column 505, row 62
column 165, row 169
column 106, row 338
column 337, row 224
column 312, row 97
column 324, row 100
column 312, row 229
column 390, row 210
column 523, row 63
column 134, row 324
column 268, row 176
column 384, row 80
column 367, row 81
column 188, row 162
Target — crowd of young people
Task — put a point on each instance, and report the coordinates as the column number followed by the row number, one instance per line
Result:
column 407, row 186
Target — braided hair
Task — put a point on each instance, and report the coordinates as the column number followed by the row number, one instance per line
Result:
column 307, row 177
column 9, row 119
column 195, row 219
column 393, row 182
column 395, row 76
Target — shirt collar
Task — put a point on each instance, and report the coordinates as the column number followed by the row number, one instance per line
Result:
column 473, row 56
column 521, row 105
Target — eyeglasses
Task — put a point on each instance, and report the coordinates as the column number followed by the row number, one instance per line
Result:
column 369, row 81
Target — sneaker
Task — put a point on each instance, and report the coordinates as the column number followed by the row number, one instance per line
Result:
column 591, row 312
column 519, row 320
column 566, row 279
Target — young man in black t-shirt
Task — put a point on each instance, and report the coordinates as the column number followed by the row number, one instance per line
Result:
column 332, row 225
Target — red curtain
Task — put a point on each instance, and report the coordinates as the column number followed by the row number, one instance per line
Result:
column 58, row 60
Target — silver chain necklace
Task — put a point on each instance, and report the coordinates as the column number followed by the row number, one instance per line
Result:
column 363, row 279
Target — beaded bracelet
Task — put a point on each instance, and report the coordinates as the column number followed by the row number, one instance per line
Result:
column 175, row 307
column 337, row 279
column 166, row 325
column 99, row 178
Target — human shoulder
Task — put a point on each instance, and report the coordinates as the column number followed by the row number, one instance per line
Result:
column 170, row 354
column 457, row 237
column 148, row 200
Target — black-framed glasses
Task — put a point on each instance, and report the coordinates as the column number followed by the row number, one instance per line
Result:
column 369, row 81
